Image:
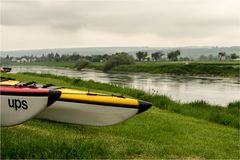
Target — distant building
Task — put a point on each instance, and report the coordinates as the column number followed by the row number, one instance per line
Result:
column 24, row 60
column 237, row 59
column 14, row 59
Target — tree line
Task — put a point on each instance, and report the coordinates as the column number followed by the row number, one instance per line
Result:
column 158, row 55
column 139, row 56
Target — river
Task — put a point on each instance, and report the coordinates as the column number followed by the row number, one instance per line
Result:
column 215, row 90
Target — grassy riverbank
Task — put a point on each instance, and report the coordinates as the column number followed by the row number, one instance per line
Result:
column 226, row 69
column 157, row 133
column 223, row 115
column 209, row 68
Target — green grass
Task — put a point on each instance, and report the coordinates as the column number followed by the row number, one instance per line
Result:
column 68, row 64
column 154, row 134
column 219, row 68
column 180, row 68
column 157, row 133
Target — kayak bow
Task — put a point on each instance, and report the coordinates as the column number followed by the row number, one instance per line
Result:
column 19, row 104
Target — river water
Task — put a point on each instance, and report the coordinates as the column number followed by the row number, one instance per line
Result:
column 215, row 90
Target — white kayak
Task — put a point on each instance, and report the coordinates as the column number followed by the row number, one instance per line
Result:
column 19, row 104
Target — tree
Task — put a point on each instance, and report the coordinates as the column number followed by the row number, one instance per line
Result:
column 173, row 55
column 234, row 56
column 105, row 57
column 74, row 56
column 141, row 55
column 81, row 63
column 156, row 56
column 57, row 57
column 184, row 59
column 50, row 56
column 202, row 57
column 211, row 57
column 221, row 55
column 118, row 59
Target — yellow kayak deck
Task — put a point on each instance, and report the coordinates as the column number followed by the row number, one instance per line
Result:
column 73, row 95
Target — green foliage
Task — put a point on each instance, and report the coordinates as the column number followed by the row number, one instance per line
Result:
column 234, row 56
column 81, row 64
column 156, row 56
column 221, row 55
column 173, row 55
column 207, row 58
column 180, row 68
column 118, row 59
column 141, row 56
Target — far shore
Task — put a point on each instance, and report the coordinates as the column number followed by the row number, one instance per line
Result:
column 192, row 68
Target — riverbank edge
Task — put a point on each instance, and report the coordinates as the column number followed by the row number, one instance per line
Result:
column 228, row 116
column 179, row 69
column 207, row 69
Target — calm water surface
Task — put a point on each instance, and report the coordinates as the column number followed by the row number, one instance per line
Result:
column 215, row 90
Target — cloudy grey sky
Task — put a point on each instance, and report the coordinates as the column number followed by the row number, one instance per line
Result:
column 32, row 24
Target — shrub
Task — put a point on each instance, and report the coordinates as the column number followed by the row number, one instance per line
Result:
column 118, row 59
column 81, row 64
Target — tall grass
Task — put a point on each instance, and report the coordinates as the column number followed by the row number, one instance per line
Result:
column 228, row 115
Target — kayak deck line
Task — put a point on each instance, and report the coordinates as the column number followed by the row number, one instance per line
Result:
column 142, row 105
column 52, row 86
column 22, row 91
column 30, row 92
column 6, row 78
column 99, row 103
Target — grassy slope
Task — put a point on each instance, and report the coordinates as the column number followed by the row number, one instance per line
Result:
column 154, row 134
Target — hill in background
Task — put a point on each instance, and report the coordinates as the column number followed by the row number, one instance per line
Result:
column 193, row 52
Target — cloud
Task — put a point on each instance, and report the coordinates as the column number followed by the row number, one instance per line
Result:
column 169, row 20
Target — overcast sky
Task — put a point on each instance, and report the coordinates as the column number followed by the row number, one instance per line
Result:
column 33, row 24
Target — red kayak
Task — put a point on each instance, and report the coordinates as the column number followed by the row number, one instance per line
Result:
column 19, row 104
column 5, row 69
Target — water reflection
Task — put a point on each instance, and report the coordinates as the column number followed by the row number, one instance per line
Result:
column 215, row 90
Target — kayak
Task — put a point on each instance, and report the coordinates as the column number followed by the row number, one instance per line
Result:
column 5, row 69
column 81, row 107
column 88, row 108
column 19, row 104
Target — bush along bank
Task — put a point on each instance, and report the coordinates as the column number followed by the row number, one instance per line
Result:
column 182, row 69
column 200, row 109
